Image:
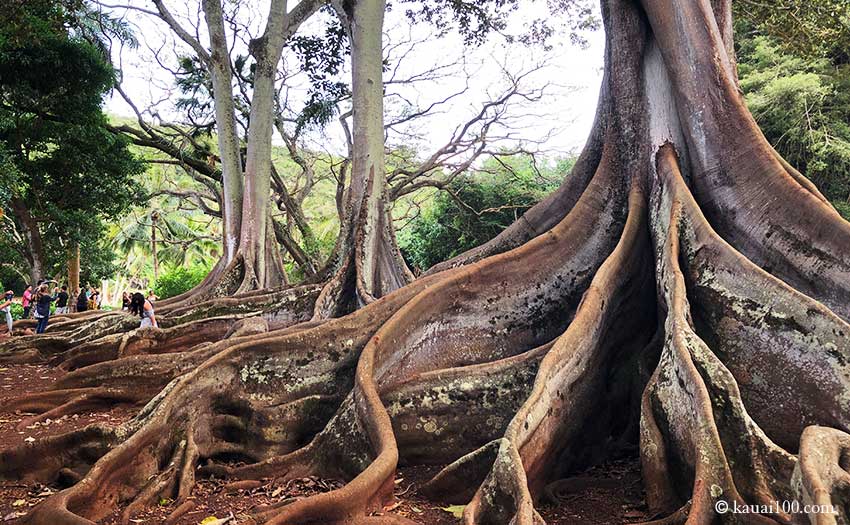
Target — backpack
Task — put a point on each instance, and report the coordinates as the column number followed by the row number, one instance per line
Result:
column 42, row 309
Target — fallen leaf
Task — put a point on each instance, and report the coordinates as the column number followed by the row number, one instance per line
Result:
column 29, row 439
column 212, row 520
column 19, row 503
column 455, row 510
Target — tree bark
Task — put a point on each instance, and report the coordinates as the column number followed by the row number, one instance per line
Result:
column 32, row 234
column 228, row 138
column 73, row 274
column 366, row 262
column 154, row 248
column 261, row 258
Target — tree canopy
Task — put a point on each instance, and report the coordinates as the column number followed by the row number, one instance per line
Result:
column 64, row 172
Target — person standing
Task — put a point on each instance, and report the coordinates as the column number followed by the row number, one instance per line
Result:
column 125, row 301
column 82, row 301
column 152, row 297
column 62, row 301
column 26, row 302
column 6, row 307
column 43, row 300
column 144, row 309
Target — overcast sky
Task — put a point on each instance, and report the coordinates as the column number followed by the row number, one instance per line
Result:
column 571, row 76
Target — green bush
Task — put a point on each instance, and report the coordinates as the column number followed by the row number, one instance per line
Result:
column 17, row 311
column 178, row 280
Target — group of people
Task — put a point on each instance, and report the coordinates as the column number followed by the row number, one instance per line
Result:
column 42, row 299
column 37, row 302
column 88, row 300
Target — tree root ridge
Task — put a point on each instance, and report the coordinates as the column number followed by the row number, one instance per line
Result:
column 181, row 327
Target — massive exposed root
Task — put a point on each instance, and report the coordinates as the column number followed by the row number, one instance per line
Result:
column 290, row 381
column 573, row 382
column 656, row 309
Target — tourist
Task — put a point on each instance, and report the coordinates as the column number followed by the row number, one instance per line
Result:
column 92, row 298
column 125, row 301
column 144, row 309
column 43, row 300
column 82, row 301
column 152, row 296
column 6, row 307
column 62, row 301
column 26, row 302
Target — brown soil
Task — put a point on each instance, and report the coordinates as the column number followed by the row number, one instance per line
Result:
column 15, row 381
column 608, row 494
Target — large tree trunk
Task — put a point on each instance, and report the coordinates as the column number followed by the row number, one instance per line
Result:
column 263, row 267
column 366, row 263
column 32, row 234
column 228, row 138
column 692, row 295
column 73, row 271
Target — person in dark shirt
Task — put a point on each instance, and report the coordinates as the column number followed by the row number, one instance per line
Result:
column 62, row 301
column 42, row 308
column 82, row 301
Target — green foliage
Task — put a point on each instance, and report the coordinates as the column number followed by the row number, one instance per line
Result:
column 28, row 21
column 194, row 82
column 178, row 280
column 60, row 165
column 97, row 261
column 10, row 279
column 17, row 311
column 476, row 208
column 803, row 107
column 322, row 57
column 806, row 28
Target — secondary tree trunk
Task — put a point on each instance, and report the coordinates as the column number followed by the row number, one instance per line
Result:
column 263, row 267
column 154, row 248
column 693, row 298
column 366, row 263
column 73, row 271
column 35, row 247
column 228, row 138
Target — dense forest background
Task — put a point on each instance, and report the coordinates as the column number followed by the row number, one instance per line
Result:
column 142, row 220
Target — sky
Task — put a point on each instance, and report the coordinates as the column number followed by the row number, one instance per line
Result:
column 556, row 124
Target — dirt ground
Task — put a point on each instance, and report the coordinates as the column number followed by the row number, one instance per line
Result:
column 608, row 494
